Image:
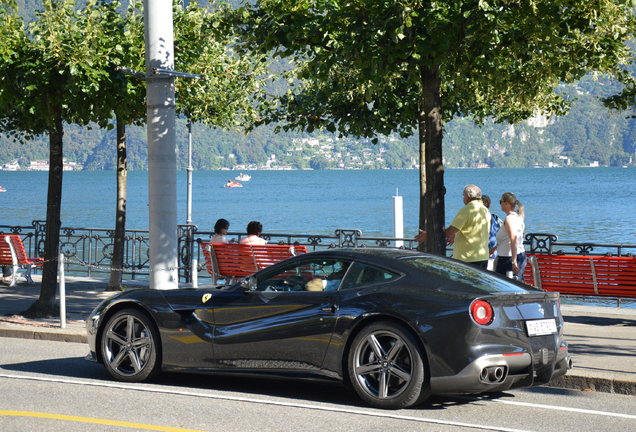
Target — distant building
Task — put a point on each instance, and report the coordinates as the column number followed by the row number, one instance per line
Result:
column 11, row 166
column 71, row 166
column 43, row 165
column 39, row 165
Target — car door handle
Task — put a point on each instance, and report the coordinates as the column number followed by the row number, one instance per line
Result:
column 330, row 309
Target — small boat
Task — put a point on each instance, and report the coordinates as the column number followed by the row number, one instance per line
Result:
column 2, row 189
column 233, row 184
column 243, row 177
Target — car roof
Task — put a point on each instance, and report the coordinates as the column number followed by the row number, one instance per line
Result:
column 370, row 253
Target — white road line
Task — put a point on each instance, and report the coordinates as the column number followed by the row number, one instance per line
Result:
column 561, row 408
column 370, row 413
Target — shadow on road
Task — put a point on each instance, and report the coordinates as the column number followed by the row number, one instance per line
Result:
column 71, row 367
column 300, row 390
column 600, row 321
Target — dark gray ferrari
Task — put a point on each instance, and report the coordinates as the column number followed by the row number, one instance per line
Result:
column 395, row 325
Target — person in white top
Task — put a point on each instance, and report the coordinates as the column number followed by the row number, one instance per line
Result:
column 510, row 250
column 254, row 230
column 220, row 231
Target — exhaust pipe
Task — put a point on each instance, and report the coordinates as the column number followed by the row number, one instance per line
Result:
column 493, row 374
column 483, row 376
column 496, row 374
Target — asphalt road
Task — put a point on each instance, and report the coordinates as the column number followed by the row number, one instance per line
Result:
column 48, row 386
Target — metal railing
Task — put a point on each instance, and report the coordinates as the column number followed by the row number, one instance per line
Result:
column 89, row 251
column 544, row 243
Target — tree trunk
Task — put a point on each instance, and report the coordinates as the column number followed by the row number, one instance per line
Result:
column 45, row 305
column 432, row 188
column 117, row 263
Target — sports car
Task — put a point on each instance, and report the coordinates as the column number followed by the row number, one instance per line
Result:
column 395, row 325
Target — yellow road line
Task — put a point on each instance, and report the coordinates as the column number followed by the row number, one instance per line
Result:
column 94, row 421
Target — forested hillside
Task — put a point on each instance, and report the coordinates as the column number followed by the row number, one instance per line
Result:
column 587, row 134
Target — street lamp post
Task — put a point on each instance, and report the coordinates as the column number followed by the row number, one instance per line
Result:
column 189, row 177
column 162, row 161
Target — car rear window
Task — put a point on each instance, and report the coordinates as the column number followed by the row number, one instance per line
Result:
column 472, row 278
column 360, row 275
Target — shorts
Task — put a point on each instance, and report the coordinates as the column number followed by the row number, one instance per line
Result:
column 503, row 265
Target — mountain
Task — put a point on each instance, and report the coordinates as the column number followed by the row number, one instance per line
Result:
column 589, row 134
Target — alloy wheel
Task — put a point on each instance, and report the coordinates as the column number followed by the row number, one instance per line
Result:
column 383, row 364
column 128, row 345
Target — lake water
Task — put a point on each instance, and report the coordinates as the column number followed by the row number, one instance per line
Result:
column 578, row 204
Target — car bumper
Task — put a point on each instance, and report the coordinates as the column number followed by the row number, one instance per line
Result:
column 92, row 323
column 494, row 373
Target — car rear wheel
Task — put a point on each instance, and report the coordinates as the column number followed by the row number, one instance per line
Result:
column 130, row 346
column 386, row 367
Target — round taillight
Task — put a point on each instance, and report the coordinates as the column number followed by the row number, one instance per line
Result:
column 481, row 312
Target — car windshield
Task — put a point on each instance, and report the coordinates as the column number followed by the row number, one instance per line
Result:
column 471, row 278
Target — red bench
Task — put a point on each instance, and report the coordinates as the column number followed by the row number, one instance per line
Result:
column 232, row 260
column 13, row 254
column 585, row 275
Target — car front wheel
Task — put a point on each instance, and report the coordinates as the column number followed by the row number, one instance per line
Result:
column 386, row 368
column 130, row 346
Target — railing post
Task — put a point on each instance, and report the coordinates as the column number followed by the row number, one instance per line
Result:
column 195, row 273
column 133, row 266
column 90, row 251
column 186, row 249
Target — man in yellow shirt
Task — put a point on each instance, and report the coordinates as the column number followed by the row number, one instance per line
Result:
column 469, row 230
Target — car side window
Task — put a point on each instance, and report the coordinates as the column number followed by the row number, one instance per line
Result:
column 363, row 274
column 311, row 275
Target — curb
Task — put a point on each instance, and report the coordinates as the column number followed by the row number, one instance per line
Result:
column 51, row 334
column 586, row 383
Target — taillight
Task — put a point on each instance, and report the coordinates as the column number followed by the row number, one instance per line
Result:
column 481, row 312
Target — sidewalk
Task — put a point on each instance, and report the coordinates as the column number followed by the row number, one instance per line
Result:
column 82, row 295
column 602, row 339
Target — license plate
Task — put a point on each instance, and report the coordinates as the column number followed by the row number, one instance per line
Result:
column 541, row 327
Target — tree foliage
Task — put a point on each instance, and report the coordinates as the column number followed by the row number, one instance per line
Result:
column 230, row 83
column 366, row 68
column 51, row 74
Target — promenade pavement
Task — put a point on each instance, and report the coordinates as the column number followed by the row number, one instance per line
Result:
column 602, row 340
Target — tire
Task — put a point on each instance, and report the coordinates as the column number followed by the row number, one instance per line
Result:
column 130, row 347
column 386, row 367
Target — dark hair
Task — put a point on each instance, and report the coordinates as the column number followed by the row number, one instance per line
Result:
column 221, row 224
column 254, row 228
